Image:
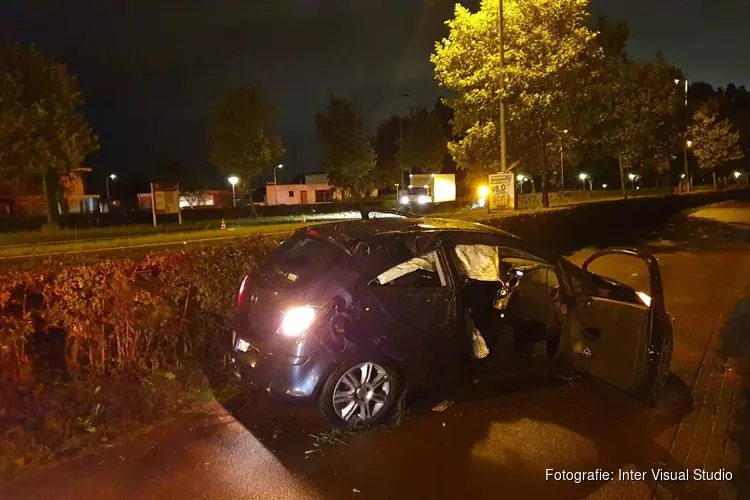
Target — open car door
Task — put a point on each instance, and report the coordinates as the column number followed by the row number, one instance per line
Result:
column 618, row 335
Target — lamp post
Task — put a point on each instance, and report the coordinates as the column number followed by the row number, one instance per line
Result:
column 233, row 181
column 521, row 179
column 275, row 184
column 501, row 61
column 686, row 142
column 110, row 177
column 401, row 141
column 562, row 161
column 583, row 178
column 632, row 178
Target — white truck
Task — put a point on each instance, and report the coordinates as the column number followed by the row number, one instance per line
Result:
column 428, row 188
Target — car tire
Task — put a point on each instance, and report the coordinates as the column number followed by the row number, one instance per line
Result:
column 369, row 382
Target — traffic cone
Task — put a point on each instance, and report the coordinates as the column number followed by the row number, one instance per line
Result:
column 223, row 224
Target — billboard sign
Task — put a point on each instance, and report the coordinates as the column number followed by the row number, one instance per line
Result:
column 165, row 199
column 502, row 192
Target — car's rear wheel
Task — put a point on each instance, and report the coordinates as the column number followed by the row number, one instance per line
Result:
column 360, row 393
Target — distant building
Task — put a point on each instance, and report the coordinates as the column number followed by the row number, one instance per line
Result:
column 309, row 189
column 25, row 199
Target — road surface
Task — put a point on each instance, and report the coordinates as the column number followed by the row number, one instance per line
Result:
column 498, row 440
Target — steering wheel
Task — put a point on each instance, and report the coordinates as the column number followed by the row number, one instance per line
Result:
column 507, row 287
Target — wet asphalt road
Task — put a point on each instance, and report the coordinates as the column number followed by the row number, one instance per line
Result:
column 495, row 442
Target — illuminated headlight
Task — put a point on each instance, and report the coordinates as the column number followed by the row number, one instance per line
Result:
column 404, row 200
column 296, row 321
column 644, row 298
column 423, row 199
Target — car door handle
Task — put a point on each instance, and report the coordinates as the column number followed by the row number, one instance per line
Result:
column 592, row 332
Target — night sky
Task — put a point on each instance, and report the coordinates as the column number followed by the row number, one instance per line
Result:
column 150, row 69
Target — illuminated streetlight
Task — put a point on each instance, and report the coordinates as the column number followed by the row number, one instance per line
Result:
column 631, row 177
column 110, row 177
column 562, row 162
column 737, row 175
column 583, row 177
column 275, row 184
column 689, row 144
column 233, row 181
column 484, row 191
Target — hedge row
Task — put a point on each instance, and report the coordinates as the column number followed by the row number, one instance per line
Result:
column 83, row 348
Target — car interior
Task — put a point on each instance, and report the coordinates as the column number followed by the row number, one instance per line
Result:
column 512, row 297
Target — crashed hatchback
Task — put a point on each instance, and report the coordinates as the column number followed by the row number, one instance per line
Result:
column 347, row 315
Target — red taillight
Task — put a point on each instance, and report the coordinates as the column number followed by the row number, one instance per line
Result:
column 242, row 290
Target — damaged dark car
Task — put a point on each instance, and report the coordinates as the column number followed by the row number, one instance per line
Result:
column 347, row 315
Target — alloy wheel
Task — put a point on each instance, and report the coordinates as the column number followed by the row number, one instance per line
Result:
column 361, row 393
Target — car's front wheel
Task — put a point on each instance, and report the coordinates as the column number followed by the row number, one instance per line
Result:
column 360, row 393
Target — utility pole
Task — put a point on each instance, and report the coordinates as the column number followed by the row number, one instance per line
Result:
column 503, row 139
column 688, row 181
column 401, row 143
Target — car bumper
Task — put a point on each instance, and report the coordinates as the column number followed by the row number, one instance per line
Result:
column 275, row 367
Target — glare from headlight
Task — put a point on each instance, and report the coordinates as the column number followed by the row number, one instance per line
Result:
column 297, row 320
column 404, row 200
column 644, row 298
column 423, row 199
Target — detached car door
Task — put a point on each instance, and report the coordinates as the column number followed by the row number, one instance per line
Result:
column 617, row 334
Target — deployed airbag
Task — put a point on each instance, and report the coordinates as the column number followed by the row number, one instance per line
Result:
column 426, row 262
column 479, row 262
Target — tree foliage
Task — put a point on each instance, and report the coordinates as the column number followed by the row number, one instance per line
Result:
column 551, row 54
column 42, row 132
column 385, row 145
column 714, row 142
column 424, row 142
column 348, row 157
column 242, row 142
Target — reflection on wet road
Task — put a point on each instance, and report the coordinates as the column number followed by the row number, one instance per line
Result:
column 496, row 442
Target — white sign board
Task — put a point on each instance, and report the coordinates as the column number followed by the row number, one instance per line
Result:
column 502, row 192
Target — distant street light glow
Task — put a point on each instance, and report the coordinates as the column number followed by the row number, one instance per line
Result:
column 233, row 181
column 737, row 175
column 631, row 177
column 583, row 176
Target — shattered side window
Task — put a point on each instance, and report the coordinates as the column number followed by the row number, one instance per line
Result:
column 421, row 271
column 478, row 262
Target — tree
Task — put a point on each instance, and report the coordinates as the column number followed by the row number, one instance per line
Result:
column 348, row 156
column 638, row 111
column 42, row 133
column 424, row 143
column 714, row 142
column 385, row 145
column 242, row 143
column 550, row 55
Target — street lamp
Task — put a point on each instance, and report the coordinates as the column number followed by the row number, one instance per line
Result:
column 401, row 138
column 632, row 178
column 583, row 178
column 521, row 179
column 110, row 177
column 687, row 143
column 562, row 161
column 233, row 181
column 275, row 184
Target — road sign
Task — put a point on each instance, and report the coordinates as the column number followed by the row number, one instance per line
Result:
column 502, row 192
column 165, row 199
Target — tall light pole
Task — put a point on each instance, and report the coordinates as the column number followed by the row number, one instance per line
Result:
column 685, row 139
column 110, row 177
column 583, row 178
column 503, row 138
column 562, row 162
column 401, row 139
column 276, row 184
column 233, row 181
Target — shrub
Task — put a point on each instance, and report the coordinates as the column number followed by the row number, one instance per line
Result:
column 89, row 349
